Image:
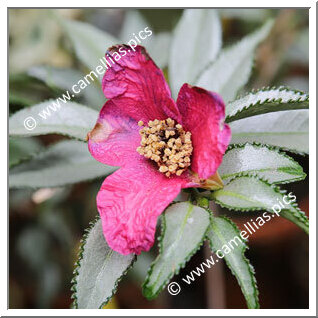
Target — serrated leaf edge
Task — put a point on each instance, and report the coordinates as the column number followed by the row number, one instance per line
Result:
column 271, row 148
column 234, row 45
column 278, row 101
column 77, row 266
column 301, row 216
column 269, row 88
column 41, row 153
column 250, row 267
column 51, row 132
column 180, row 266
column 301, row 153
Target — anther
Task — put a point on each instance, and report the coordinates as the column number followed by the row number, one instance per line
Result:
column 166, row 143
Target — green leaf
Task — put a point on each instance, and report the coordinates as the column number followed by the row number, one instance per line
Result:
column 134, row 22
column 157, row 45
column 158, row 48
column 98, row 270
column 286, row 129
column 89, row 42
column 25, row 91
column 250, row 193
column 232, row 68
column 21, row 149
column 15, row 98
column 71, row 119
column 183, row 229
column 94, row 97
column 64, row 79
column 66, row 162
column 263, row 161
column 222, row 236
column 265, row 101
column 196, row 42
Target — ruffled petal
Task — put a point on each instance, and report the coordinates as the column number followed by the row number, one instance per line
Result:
column 203, row 114
column 137, row 86
column 115, row 137
column 129, row 203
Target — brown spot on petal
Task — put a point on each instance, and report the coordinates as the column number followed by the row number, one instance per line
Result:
column 99, row 133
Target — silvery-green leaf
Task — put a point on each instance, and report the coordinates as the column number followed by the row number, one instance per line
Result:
column 52, row 117
column 90, row 43
column 134, row 22
column 157, row 45
column 65, row 79
column 62, row 78
column 94, row 96
column 183, row 229
column 98, row 270
column 261, row 160
column 158, row 48
column 66, row 162
column 224, row 235
column 288, row 130
column 232, row 69
column 196, row 43
column 250, row 193
column 21, row 149
column 266, row 101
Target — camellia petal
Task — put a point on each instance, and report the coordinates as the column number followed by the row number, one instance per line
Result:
column 137, row 86
column 129, row 203
column 132, row 198
column 115, row 137
column 203, row 114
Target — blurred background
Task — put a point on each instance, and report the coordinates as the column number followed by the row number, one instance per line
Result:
column 46, row 225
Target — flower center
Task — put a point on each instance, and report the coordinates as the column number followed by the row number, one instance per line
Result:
column 166, row 143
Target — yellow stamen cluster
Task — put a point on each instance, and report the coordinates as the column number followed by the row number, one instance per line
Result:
column 166, row 143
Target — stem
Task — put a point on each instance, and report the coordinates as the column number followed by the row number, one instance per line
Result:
column 216, row 291
column 215, row 282
column 197, row 198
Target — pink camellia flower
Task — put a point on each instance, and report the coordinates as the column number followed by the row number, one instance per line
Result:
column 161, row 147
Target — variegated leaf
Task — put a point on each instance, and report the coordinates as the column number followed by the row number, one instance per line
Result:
column 196, row 43
column 232, row 69
column 183, row 229
column 222, row 234
column 98, row 270
column 265, row 101
column 54, row 117
column 22, row 148
column 66, row 162
column 65, row 79
column 263, row 161
column 288, row 130
column 250, row 193
column 89, row 42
